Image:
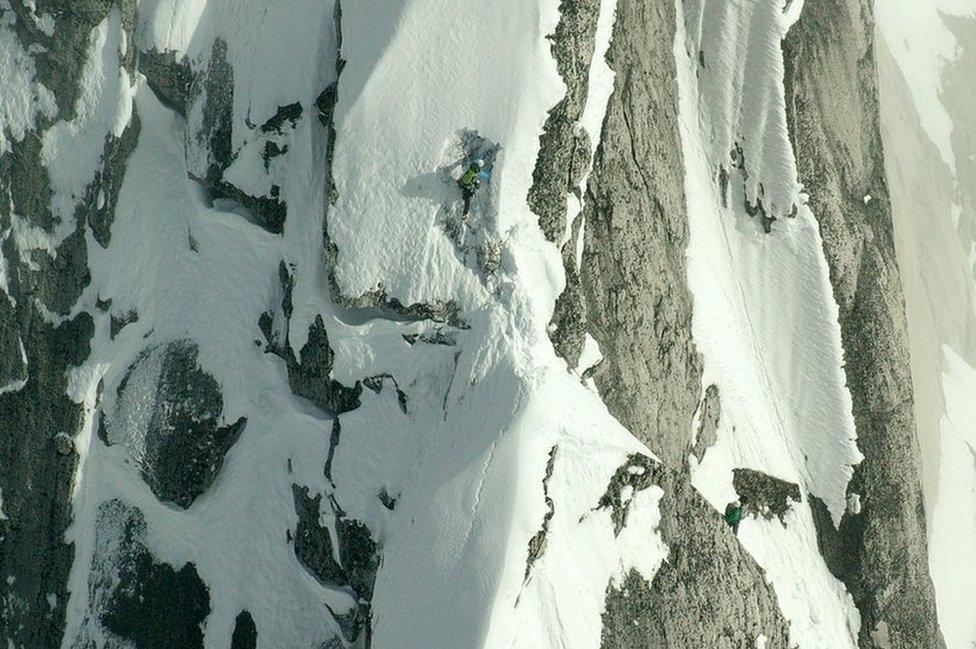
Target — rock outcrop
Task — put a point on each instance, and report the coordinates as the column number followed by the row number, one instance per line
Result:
column 310, row 373
column 245, row 632
column 709, row 592
column 134, row 598
column 38, row 421
column 764, row 494
column 631, row 295
column 348, row 561
column 169, row 416
column 832, row 107
column 633, row 274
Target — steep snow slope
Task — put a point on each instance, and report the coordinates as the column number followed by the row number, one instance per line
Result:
column 765, row 320
column 287, row 394
column 469, row 441
column 952, row 522
column 487, row 433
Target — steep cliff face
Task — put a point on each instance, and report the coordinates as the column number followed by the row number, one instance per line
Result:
column 47, row 324
column 879, row 552
column 634, row 231
column 265, row 381
column 629, row 294
column 925, row 56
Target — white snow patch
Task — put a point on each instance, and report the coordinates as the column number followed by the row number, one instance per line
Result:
column 820, row 610
column 590, row 356
column 561, row 602
column 386, row 174
column 952, row 554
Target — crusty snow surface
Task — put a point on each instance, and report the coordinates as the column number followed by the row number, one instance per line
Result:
column 953, row 521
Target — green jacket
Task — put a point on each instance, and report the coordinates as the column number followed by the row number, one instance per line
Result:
column 467, row 179
column 733, row 514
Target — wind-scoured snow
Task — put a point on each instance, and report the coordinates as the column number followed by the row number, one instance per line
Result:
column 468, row 455
column 397, row 132
column 765, row 317
column 765, row 320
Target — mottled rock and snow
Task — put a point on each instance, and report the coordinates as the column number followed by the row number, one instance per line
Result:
column 263, row 384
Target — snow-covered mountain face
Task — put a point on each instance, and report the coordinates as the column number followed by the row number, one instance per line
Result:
column 263, row 383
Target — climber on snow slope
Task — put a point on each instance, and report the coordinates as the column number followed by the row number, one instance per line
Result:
column 471, row 180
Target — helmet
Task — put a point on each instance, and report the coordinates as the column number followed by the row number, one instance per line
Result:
column 477, row 164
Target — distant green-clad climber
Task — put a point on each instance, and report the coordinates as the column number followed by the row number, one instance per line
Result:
column 733, row 513
column 471, row 180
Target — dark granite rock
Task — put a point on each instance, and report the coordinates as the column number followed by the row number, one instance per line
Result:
column 170, row 79
column 13, row 366
column 119, row 322
column 290, row 113
column 245, row 632
column 313, row 543
column 136, row 598
column 183, row 447
column 357, row 551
